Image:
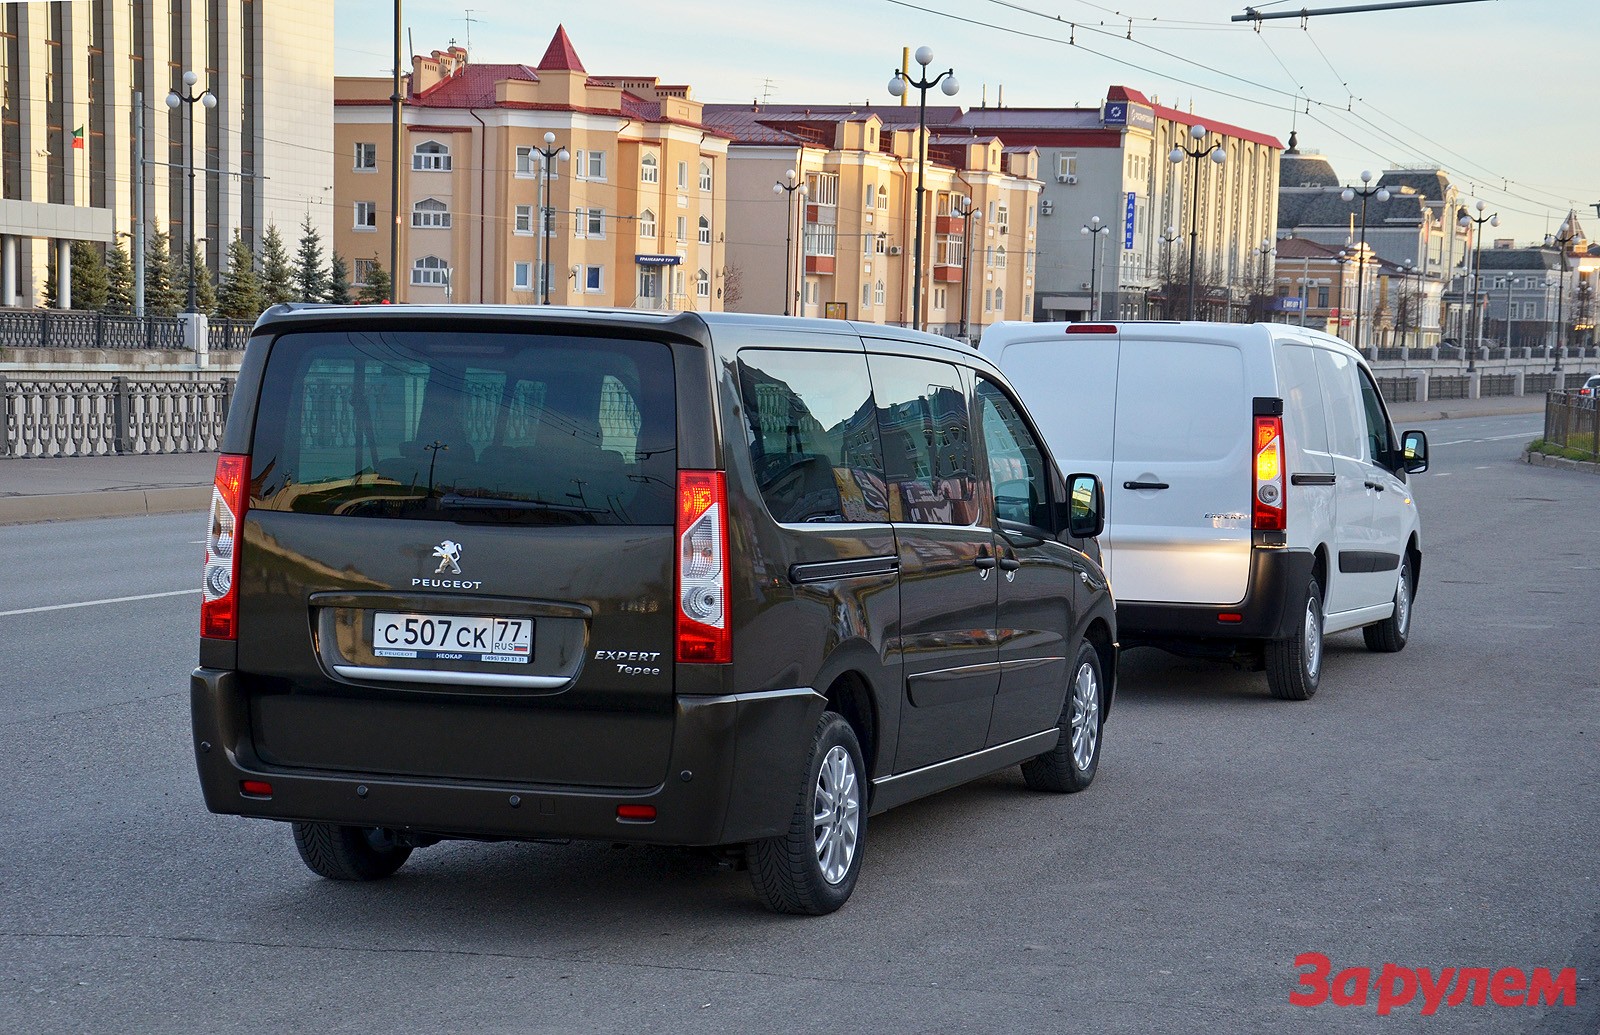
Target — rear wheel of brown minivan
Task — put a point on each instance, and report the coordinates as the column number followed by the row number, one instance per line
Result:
column 348, row 853
column 813, row 867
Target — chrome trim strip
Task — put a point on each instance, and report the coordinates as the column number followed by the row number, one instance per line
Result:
column 426, row 675
column 1044, row 741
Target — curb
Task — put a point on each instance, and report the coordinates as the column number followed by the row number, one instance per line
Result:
column 1431, row 415
column 74, row 506
column 1560, row 463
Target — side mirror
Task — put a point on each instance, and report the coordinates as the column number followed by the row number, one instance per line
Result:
column 1086, row 506
column 1414, row 451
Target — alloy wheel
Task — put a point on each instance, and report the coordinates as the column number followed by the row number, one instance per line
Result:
column 1085, row 717
column 836, row 814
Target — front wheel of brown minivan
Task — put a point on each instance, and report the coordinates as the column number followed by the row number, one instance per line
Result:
column 349, row 853
column 813, row 867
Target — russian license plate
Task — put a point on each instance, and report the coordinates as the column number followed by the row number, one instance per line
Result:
column 505, row 641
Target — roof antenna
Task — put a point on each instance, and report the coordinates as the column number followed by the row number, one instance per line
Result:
column 766, row 91
column 470, row 20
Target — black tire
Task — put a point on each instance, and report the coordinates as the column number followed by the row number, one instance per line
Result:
column 1390, row 635
column 348, row 853
column 1294, row 664
column 1083, row 712
column 788, row 871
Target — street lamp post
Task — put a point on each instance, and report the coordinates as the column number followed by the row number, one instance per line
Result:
column 898, row 85
column 1476, row 222
column 788, row 185
column 1169, row 238
column 1350, row 194
column 551, row 155
column 1560, row 240
column 1199, row 153
column 964, row 208
column 1410, row 301
column 1092, row 230
column 188, row 98
column 1263, row 252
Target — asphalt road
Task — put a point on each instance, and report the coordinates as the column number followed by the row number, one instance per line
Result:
column 1436, row 808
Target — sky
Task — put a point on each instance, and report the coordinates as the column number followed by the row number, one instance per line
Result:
column 1499, row 93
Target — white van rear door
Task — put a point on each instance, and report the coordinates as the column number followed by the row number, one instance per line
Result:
column 1180, row 478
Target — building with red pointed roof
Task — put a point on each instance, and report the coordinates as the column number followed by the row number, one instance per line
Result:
column 631, row 188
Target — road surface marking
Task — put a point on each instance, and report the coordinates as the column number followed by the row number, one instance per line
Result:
column 1492, row 438
column 92, row 603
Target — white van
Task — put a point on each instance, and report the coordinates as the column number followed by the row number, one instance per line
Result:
column 1257, row 495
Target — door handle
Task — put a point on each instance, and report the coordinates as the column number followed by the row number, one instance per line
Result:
column 1375, row 485
column 985, row 564
column 1009, row 564
column 1145, row 485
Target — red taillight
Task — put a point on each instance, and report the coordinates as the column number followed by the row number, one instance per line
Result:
column 1269, row 512
column 703, row 634
column 219, row 596
column 636, row 813
column 255, row 788
column 1230, row 616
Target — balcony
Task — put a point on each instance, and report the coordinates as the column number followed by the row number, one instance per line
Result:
column 820, row 264
column 947, row 274
column 948, row 224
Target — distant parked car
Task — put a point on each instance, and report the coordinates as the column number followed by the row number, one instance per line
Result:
column 1591, row 386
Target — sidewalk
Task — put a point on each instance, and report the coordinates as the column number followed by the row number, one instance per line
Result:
column 123, row 486
column 104, row 486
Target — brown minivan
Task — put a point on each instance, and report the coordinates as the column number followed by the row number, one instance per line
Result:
column 687, row 579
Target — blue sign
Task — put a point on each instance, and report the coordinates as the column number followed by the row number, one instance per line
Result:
column 1288, row 304
column 1127, row 224
column 1116, row 113
column 657, row 260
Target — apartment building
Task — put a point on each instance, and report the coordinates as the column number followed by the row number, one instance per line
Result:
column 633, row 213
column 843, row 245
column 84, row 118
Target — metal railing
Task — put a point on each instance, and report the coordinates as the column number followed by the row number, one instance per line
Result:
column 81, row 417
column 1449, row 387
column 1496, row 384
column 1398, row 389
column 71, row 329
column 1572, row 421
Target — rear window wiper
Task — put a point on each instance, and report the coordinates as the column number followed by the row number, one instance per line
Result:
column 456, row 501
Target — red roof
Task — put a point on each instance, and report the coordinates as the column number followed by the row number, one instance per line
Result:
column 560, row 55
column 471, row 87
column 1123, row 93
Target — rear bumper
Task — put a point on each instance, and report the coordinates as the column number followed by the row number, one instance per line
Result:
column 1273, row 603
column 736, row 766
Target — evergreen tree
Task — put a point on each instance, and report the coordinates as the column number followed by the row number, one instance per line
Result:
column 205, row 289
column 88, row 277
column 161, row 293
column 338, row 282
column 311, row 281
column 119, row 281
column 240, row 298
column 50, row 281
column 277, row 277
column 376, row 290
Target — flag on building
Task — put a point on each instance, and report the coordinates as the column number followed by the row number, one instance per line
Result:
column 77, row 139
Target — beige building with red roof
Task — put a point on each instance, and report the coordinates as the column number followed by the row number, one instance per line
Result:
column 634, row 211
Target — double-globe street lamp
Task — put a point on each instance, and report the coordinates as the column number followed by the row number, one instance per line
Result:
column 1201, row 151
column 898, row 85
column 1262, row 252
column 1092, row 230
column 1560, row 240
column 1476, row 222
column 188, row 98
column 792, row 187
column 551, row 154
column 1351, row 194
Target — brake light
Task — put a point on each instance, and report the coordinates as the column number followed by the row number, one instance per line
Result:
column 703, row 634
column 219, row 595
column 1091, row 328
column 1269, row 512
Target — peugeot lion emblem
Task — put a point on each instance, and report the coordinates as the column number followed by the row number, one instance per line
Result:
column 449, row 553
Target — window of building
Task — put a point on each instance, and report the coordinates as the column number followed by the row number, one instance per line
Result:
column 883, row 197
column 649, row 170
column 822, row 189
column 812, row 292
column 683, row 175
column 1000, row 257
column 988, row 300
column 880, row 244
column 702, row 284
column 677, row 280
column 872, row 192
column 361, row 271
column 647, row 223
column 938, row 298
column 595, row 222
column 430, row 213
column 593, row 278
column 580, row 221
column 366, row 215
column 430, row 156
column 705, row 230
column 877, row 293
column 1322, row 298
column 683, row 228
column 524, row 220
column 821, row 239
column 705, row 176
column 597, row 165
column 1003, row 216
column 866, row 296
column 430, row 271
column 1067, row 165
column 1030, row 216
column 948, row 249
column 522, row 276
column 579, row 169
column 527, row 162
column 366, row 158
column 1000, row 299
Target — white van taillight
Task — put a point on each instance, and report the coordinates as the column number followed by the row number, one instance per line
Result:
column 1270, row 513
column 703, row 633
column 219, row 594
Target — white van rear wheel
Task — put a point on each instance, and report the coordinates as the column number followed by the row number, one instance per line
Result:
column 1294, row 664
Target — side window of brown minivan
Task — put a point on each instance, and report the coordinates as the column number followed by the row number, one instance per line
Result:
column 812, row 434
column 927, row 441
